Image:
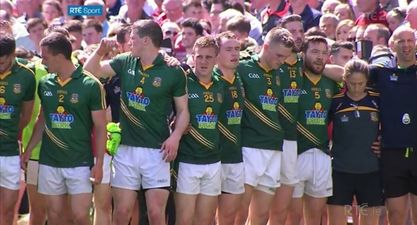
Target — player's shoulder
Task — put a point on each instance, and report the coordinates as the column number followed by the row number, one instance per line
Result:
column 339, row 96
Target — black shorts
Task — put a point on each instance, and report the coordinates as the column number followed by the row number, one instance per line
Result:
column 399, row 172
column 367, row 188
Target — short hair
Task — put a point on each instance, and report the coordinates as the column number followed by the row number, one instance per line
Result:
column 239, row 24
column 6, row 27
column 331, row 16
column 342, row 23
column 225, row 35
column 74, row 26
column 206, row 42
column 32, row 22
column 55, row 4
column 398, row 31
column 57, row 29
column 191, row 3
column 193, row 24
column 347, row 6
column 121, row 34
column 278, row 35
column 336, row 46
column 314, row 39
column 149, row 28
column 57, row 43
column 23, row 53
column 356, row 66
column 398, row 13
column 7, row 45
column 382, row 31
column 93, row 23
column 290, row 18
column 315, row 31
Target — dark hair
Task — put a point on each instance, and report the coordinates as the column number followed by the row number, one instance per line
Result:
column 313, row 39
column 121, row 34
column 23, row 53
column 206, row 42
column 278, row 35
column 93, row 23
column 191, row 3
column 74, row 26
column 315, row 31
column 289, row 19
column 239, row 24
column 149, row 28
column 225, row 35
column 7, row 45
column 57, row 43
column 336, row 46
column 193, row 24
column 55, row 4
column 32, row 22
column 399, row 13
column 57, row 29
column 382, row 31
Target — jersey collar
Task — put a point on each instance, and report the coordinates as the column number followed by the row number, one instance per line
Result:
column 219, row 73
column 313, row 78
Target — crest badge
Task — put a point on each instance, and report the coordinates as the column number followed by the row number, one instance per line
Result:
column 74, row 98
column 374, row 116
column 328, row 93
column 219, row 97
column 17, row 88
column 157, row 82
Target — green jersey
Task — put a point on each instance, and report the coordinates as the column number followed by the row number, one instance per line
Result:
column 201, row 144
column 67, row 107
column 16, row 86
column 260, row 123
column 40, row 71
column 314, row 105
column 291, row 76
column 146, row 99
column 230, row 119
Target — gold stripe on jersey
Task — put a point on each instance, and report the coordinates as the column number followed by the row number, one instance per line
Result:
column 102, row 91
column 371, row 93
column 360, row 108
column 227, row 133
column 54, row 139
column 285, row 113
column 307, row 134
column 261, row 116
column 200, row 138
column 339, row 95
column 129, row 115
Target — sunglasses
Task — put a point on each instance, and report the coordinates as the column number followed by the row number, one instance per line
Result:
column 169, row 33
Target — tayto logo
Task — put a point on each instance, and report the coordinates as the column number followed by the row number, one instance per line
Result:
column 85, row 10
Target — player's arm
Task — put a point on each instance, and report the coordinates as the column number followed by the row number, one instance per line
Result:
column 334, row 72
column 25, row 114
column 99, row 121
column 34, row 139
column 94, row 63
column 170, row 146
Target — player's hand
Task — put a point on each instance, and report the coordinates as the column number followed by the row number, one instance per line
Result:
column 96, row 174
column 24, row 158
column 171, row 61
column 376, row 147
column 170, row 148
column 106, row 45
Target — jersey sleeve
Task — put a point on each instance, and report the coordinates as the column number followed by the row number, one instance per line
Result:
column 118, row 63
column 180, row 87
column 97, row 97
column 373, row 75
column 31, row 87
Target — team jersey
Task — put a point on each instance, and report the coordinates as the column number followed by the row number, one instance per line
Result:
column 230, row 119
column 40, row 71
column 398, row 96
column 16, row 86
column 261, row 127
column 67, row 107
column 146, row 99
column 291, row 76
column 201, row 144
column 314, row 105
column 355, row 128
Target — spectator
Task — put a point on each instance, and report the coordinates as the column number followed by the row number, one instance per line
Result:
column 227, row 15
column 113, row 7
column 193, row 9
column 344, row 12
column 328, row 23
column 102, row 18
column 341, row 53
column 171, row 11
column 75, row 28
column 36, row 28
column 396, row 18
column 26, row 9
column 271, row 16
column 217, row 6
column 388, row 5
column 65, row 17
column 343, row 29
column 240, row 26
column 92, row 31
column 311, row 17
column 378, row 34
column 135, row 10
column 372, row 13
column 329, row 6
column 191, row 30
column 412, row 14
column 171, row 31
column 51, row 9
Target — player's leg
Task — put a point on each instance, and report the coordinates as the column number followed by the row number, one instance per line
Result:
column 102, row 196
column 339, row 205
column 210, row 189
column 80, row 206
column 369, row 197
column 243, row 212
column 337, row 214
column 413, row 199
column 413, row 186
column 9, row 187
column 232, row 192
column 295, row 213
column 125, row 182
column 186, row 193
column 313, row 208
column 283, row 194
column 36, row 200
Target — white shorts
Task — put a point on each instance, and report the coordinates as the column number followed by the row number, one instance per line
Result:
column 194, row 179
column 32, row 172
column 136, row 167
column 314, row 172
column 233, row 178
column 262, row 168
column 106, row 168
column 59, row 181
column 10, row 172
column 289, row 163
